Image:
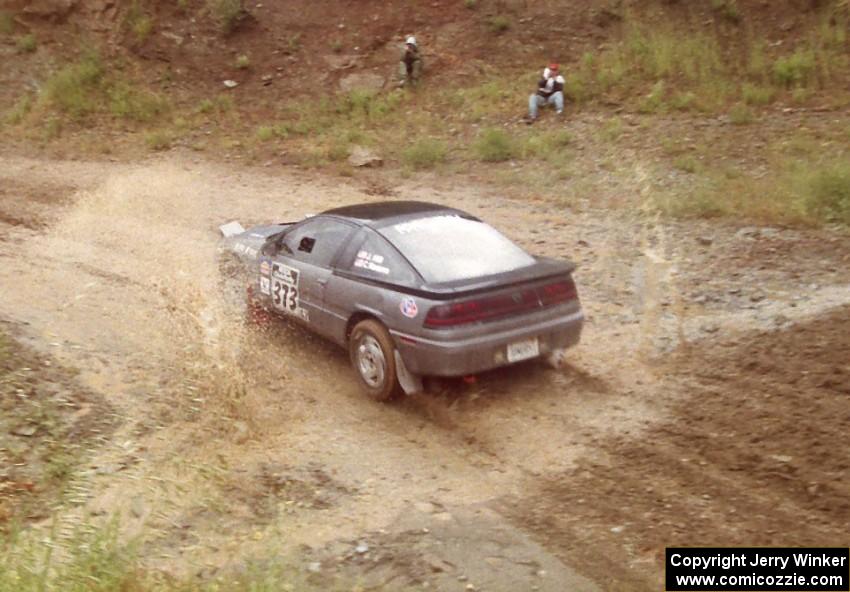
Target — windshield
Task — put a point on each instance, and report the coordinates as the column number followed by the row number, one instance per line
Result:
column 448, row 247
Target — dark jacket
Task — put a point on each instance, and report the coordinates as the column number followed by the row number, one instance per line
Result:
column 549, row 85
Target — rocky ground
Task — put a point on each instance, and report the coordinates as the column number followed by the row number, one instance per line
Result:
column 705, row 405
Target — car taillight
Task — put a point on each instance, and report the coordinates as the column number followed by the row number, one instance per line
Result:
column 493, row 307
column 481, row 309
column 558, row 292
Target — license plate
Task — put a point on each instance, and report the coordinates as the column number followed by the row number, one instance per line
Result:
column 523, row 350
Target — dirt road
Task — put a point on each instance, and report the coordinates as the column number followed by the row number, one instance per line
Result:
column 707, row 403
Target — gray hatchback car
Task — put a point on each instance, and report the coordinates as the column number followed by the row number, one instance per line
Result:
column 411, row 289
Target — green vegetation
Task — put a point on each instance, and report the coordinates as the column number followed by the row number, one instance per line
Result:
column 499, row 24
column 20, row 110
column 741, row 115
column 471, row 4
column 265, row 133
column 754, row 94
column 825, row 191
column 7, row 23
column 243, row 62
column 27, row 43
column 83, row 88
column 426, row 153
column 648, row 62
column 727, row 9
column 76, row 88
column 494, row 145
column 803, row 192
column 226, row 13
column 159, row 140
column 138, row 22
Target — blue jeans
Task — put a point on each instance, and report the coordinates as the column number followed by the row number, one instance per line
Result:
column 535, row 101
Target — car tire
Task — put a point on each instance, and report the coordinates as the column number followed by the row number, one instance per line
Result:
column 371, row 350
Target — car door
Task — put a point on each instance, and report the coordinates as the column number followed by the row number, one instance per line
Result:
column 298, row 271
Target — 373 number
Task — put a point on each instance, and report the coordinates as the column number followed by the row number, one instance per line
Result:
column 285, row 296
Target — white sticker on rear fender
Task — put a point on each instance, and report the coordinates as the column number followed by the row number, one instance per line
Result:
column 265, row 286
column 408, row 308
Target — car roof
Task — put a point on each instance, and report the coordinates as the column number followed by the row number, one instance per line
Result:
column 379, row 213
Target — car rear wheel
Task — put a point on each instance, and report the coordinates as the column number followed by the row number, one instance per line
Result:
column 372, row 355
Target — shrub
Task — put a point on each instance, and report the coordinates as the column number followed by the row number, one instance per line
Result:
column 27, row 43
column 7, row 23
column 687, row 164
column 795, row 69
column 139, row 23
column 683, row 101
column 495, row 145
column 159, row 140
column 265, row 133
column 243, row 62
column 826, row 192
column 547, row 145
column 20, row 110
column 470, row 4
column 499, row 24
column 757, row 95
column 72, row 89
column 338, row 150
column 425, row 153
column 741, row 115
column 227, row 13
column 129, row 103
column 728, row 9
column 654, row 101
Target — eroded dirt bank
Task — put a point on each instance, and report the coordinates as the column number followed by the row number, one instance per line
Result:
column 709, row 384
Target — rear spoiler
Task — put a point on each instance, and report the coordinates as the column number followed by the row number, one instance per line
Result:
column 231, row 229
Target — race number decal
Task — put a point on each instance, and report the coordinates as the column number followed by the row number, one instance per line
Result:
column 285, row 292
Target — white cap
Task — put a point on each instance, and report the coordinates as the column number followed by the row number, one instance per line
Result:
column 411, row 40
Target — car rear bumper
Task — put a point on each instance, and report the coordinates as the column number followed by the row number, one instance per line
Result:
column 462, row 356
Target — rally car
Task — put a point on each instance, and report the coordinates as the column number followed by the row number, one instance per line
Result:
column 411, row 289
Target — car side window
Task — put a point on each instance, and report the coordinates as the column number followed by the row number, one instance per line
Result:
column 376, row 258
column 316, row 241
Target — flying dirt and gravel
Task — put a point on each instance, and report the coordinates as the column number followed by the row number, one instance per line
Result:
column 152, row 438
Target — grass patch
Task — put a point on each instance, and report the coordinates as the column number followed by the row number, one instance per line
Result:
column 27, row 43
column 243, row 62
column 226, row 13
column 19, row 110
column 548, row 146
column 159, row 140
column 498, row 24
column 741, row 114
column 727, row 9
column 706, row 72
column 825, row 192
column 687, row 164
column 128, row 102
column 76, row 88
column 796, row 69
column 265, row 133
column 495, row 145
column 803, row 192
column 754, row 94
column 426, row 153
column 83, row 88
column 138, row 22
column 7, row 23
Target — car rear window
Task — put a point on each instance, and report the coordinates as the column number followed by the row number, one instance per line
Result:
column 445, row 248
